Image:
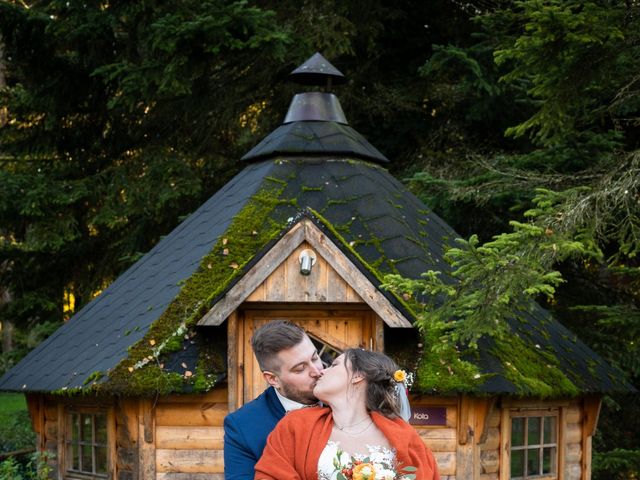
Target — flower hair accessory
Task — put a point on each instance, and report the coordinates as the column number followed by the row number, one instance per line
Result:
column 400, row 375
column 403, row 382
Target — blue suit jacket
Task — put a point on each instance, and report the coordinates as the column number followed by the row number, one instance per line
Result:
column 245, row 434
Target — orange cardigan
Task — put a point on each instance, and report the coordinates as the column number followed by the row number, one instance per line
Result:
column 294, row 447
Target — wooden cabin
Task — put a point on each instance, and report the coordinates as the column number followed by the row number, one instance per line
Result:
column 137, row 384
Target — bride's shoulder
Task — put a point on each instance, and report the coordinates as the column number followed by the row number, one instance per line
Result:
column 306, row 415
column 396, row 423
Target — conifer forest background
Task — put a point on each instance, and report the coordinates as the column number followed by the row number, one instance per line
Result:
column 518, row 122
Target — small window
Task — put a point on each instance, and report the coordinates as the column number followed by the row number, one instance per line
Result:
column 86, row 443
column 326, row 352
column 534, row 447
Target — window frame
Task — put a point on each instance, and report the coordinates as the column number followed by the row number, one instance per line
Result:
column 505, row 430
column 66, row 471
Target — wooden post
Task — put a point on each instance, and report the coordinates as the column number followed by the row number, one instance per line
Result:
column 562, row 427
column 146, row 444
column 378, row 332
column 465, row 458
column 35, row 405
column 591, row 412
column 232, row 361
column 112, row 448
column 62, row 434
column 127, row 438
column 484, row 407
column 505, row 454
column 464, row 405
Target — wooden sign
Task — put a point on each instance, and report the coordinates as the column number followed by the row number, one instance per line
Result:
column 428, row 416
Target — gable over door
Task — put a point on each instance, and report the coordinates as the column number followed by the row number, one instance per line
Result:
column 338, row 327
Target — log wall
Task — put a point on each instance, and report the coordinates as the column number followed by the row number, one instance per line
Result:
column 573, row 442
column 189, row 436
column 490, row 448
column 442, row 440
column 181, row 437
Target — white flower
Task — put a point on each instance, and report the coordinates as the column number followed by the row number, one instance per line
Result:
column 377, row 457
column 385, row 474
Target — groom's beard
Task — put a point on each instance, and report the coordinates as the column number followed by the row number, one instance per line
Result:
column 300, row 396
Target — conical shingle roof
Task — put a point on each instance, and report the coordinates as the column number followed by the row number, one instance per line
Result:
column 138, row 334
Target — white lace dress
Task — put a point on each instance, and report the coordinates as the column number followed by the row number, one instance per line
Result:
column 332, row 460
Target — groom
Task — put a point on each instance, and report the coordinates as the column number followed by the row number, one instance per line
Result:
column 291, row 366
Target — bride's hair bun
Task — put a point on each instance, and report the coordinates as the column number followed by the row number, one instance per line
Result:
column 377, row 370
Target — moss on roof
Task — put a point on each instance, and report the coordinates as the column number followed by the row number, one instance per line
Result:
column 384, row 229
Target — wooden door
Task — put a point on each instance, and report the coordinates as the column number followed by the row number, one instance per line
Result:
column 338, row 328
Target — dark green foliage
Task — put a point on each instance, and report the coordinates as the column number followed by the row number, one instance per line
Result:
column 555, row 83
column 32, row 467
column 618, row 464
column 124, row 117
column 121, row 118
column 16, row 432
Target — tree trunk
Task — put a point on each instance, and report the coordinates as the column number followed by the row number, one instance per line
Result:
column 6, row 325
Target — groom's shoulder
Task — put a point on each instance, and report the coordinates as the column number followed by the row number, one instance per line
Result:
column 255, row 409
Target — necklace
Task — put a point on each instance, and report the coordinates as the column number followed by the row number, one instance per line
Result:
column 355, row 434
column 342, row 427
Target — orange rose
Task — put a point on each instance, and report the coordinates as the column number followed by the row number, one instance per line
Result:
column 364, row 471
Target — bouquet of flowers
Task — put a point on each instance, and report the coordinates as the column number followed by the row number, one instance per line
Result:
column 374, row 467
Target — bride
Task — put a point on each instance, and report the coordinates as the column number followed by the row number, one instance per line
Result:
column 358, row 435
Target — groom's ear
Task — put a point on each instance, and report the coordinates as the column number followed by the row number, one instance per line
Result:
column 271, row 378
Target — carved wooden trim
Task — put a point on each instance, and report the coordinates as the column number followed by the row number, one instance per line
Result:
column 484, row 408
column 505, row 443
column 464, row 405
column 304, row 230
column 591, row 411
column 254, row 277
column 232, row 361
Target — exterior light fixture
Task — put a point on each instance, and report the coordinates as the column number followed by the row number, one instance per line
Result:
column 307, row 260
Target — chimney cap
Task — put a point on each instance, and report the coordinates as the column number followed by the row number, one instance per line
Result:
column 317, row 70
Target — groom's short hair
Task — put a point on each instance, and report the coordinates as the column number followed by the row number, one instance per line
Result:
column 273, row 337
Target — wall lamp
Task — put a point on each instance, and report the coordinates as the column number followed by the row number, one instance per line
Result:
column 307, row 260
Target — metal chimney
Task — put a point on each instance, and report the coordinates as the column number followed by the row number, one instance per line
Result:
column 316, row 106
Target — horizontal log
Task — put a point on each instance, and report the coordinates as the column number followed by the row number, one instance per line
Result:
column 446, row 462
column 573, row 433
column 189, row 476
column 490, row 476
column 441, row 444
column 51, row 412
column 124, row 438
column 493, row 420
column 189, row 461
column 490, row 461
column 529, row 404
column 217, row 395
column 427, row 400
column 573, row 415
column 16, row 453
column 190, row 438
column 50, row 431
column 429, row 433
column 492, row 442
column 573, row 453
column 190, row 414
column 126, row 459
column 572, row 471
column 439, row 439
